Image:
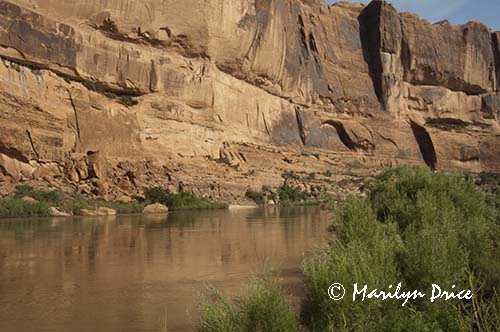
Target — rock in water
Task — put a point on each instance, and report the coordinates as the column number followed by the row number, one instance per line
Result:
column 155, row 209
column 100, row 212
column 56, row 213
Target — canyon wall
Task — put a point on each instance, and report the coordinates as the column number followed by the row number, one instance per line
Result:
column 103, row 89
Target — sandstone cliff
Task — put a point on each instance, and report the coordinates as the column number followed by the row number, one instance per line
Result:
column 110, row 96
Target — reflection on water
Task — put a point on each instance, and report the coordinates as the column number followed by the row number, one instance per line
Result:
column 133, row 272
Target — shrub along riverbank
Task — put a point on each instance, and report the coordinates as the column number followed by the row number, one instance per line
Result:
column 287, row 195
column 414, row 227
column 29, row 202
column 181, row 201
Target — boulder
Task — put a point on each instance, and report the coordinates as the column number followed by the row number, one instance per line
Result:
column 124, row 199
column 98, row 165
column 47, row 171
column 271, row 203
column 100, row 212
column 155, row 209
column 56, row 213
column 28, row 199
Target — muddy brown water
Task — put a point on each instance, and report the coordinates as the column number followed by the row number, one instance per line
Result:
column 134, row 273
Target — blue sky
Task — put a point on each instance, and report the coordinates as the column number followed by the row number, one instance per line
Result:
column 455, row 11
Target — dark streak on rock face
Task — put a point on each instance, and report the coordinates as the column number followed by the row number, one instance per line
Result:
column 490, row 107
column 287, row 132
column 369, row 21
column 426, row 145
column 13, row 153
column 380, row 33
column 496, row 52
column 300, row 124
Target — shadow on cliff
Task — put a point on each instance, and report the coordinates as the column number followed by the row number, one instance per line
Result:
column 369, row 22
column 425, row 144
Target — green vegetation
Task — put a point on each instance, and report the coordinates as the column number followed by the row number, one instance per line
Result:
column 180, row 201
column 261, row 309
column 103, row 89
column 50, row 196
column 419, row 228
column 413, row 227
column 447, row 124
column 17, row 208
column 75, row 204
column 289, row 195
column 126, row 100
column 290, row 175
column 224, row 160
column 255, row 196
column 286, row 196
column 311, row 176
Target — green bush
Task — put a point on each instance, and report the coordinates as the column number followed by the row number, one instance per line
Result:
column 74, row 206
column 189, row 201
column 181, row 201
column 71, row 204
column 262, row 309
column 289, row 195
column 364, row 252
column 255, row 196
column 17, row 208
column 419, row 228
column 105, row 90
column 127, row 101
column 452, row 212
column 290, row 175
column 155, row 195
column 52, row 196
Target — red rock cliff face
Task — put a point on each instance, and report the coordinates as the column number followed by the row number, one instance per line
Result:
column 362, row 82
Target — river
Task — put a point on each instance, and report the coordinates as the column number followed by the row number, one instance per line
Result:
column 139, row 273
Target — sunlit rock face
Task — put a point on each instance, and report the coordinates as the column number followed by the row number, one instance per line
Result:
column 357, row 82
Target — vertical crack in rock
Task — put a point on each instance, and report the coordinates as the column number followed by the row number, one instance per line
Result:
column 303, row 38
column 248, row 123
column 300, row 125
column 76, row 115
column 496, row 55
column 425, row 144
column 265, row 124
column 153, row 78
column 405, row 57
column 314, row 50
column 32, row 144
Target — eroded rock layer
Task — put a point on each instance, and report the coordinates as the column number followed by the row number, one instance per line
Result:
column 170, row 86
